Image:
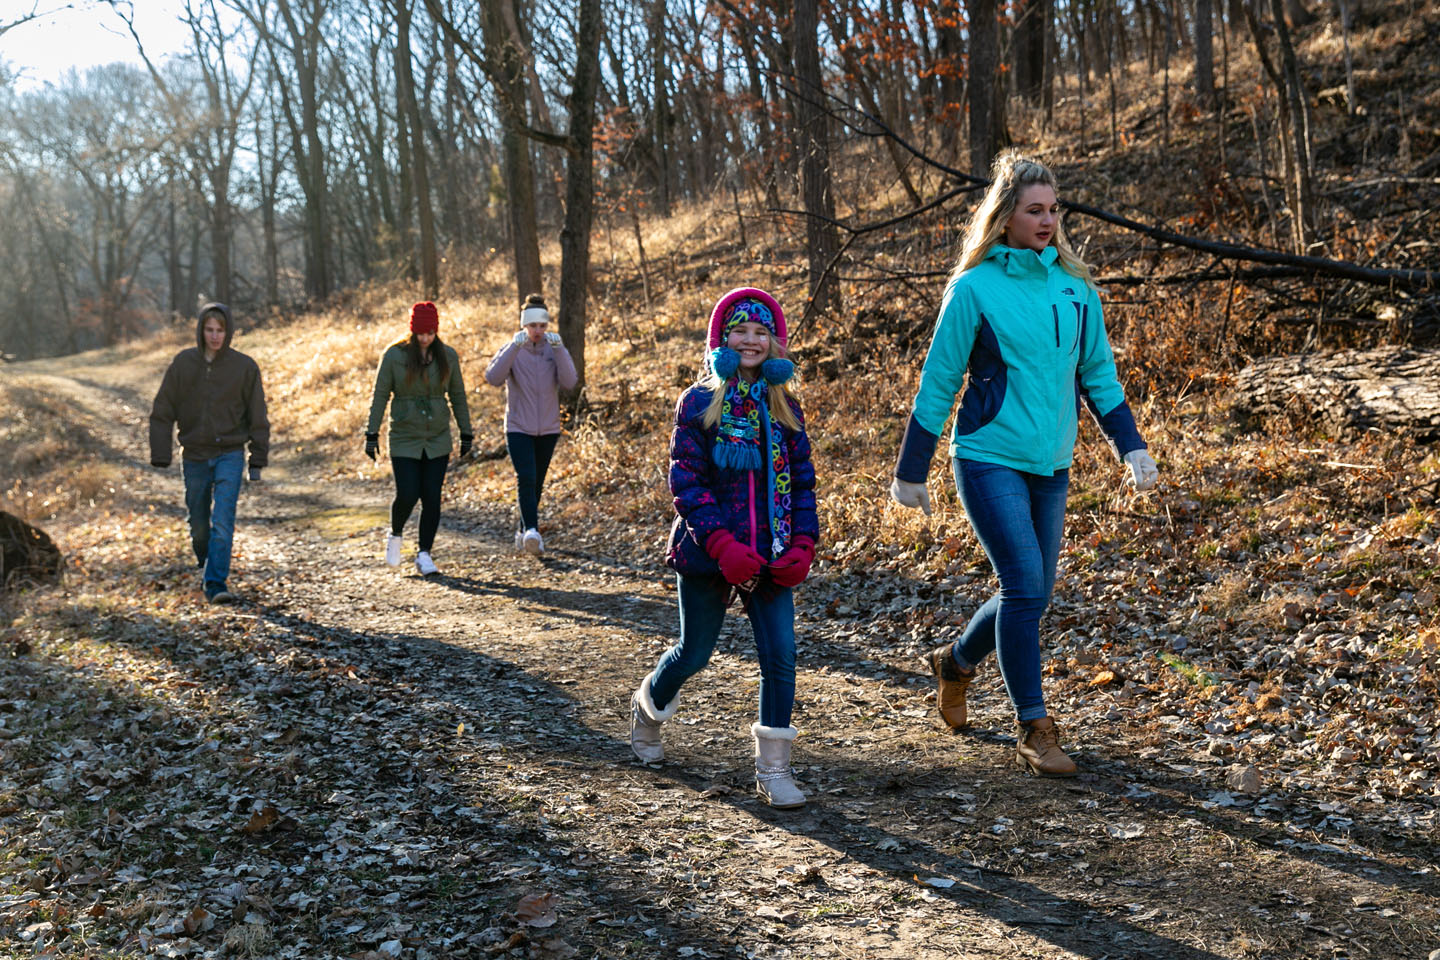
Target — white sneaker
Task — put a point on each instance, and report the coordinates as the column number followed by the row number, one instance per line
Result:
column 534, row 545
column 519, row 540
column 424, row 564
column 392, row 550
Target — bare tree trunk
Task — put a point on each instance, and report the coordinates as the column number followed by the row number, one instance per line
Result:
column 1029, row 49
column 984, row 63
column 405, row 91
column 1345, row 24
column 1293, row 137
column 1205, row 53
column 821, row 240
column 659, row 106
column 1294, row 92
column 580, row 188
column 1169, row 41
column 519, row 172
column 172, row 251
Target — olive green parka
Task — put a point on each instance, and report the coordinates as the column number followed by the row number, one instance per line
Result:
column 419, row 414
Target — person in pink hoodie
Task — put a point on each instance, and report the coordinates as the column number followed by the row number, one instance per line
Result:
column 533, row 367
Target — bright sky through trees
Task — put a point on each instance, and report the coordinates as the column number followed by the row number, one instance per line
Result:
column 83, row 34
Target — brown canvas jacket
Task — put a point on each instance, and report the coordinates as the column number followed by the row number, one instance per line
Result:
column 219, row 404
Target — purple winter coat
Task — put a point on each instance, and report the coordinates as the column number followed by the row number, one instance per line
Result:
column 708, row 498
column 531, row 374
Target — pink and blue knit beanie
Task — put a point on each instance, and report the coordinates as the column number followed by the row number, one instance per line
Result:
column 741, row 305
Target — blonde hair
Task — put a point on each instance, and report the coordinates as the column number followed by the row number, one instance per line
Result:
column 1011, row 173
column 777, row 396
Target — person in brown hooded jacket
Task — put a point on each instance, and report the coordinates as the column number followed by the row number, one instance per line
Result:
column 215, row 396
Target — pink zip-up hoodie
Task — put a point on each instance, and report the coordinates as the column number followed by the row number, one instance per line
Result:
column 532, row 374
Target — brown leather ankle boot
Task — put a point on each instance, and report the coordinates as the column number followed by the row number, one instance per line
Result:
column 1037, row 750
column 953, row 683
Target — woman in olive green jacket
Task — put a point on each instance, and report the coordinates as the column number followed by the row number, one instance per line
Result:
column 420, row 373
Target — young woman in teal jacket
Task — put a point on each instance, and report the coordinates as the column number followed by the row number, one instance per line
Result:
column 1021, row 330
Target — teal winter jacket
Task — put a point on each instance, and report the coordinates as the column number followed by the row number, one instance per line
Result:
column 1026, row 339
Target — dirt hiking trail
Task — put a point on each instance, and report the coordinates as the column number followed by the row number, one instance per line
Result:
column 356, row 761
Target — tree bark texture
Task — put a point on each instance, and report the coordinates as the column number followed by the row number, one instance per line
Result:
column 980, row 77
column 1205, row 52
column 405, row 90
column 519, row 171
column 580, row 188
column 819, row 198
column 1389, row 388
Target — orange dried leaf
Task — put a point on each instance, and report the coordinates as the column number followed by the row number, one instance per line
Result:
column 537, row 910
column 261, row 820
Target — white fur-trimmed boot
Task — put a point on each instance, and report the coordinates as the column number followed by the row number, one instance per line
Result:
column 645, row 722
column 774, row 780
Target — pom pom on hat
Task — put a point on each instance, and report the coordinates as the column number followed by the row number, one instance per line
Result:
column 724, row 362
column 424, row 318
column 777, row 370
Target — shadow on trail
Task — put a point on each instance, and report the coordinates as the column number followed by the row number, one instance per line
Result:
column 583, row 607
column 1146, row 789
column 563, row 739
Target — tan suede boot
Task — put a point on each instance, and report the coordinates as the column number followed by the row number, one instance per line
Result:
column 953, row 682
column 1037, row 750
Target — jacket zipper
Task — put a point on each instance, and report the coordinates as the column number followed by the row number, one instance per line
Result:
column 754, row 532
column 1055, row 312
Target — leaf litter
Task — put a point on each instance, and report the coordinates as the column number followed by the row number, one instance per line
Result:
column 358, row 764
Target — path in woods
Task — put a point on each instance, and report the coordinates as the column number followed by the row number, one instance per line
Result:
column 357, row 761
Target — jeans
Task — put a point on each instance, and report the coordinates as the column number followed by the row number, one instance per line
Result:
column 531, row 458
column 702, row 610
column 211, row 489
column 1018, row 519
column 418, row 478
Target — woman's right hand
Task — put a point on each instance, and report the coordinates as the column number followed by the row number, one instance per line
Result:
column 520, row 337
column 911, row 495
column 738, row 562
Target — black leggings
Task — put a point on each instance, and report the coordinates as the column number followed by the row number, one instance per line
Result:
column 531, row 458
column 418, row 479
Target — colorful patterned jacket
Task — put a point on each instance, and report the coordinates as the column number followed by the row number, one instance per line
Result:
column 708, row 498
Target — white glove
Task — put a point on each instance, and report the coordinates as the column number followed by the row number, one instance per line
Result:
column 1143, row 472
column 521, row 336
column 553, row 338
column 911, row 495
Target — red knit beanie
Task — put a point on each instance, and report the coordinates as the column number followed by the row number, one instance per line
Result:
column 424, row 318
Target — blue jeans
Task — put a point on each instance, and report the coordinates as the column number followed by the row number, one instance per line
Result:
column 530, row 457
column 211, row 489
column 702, row 610
column 1018, row 519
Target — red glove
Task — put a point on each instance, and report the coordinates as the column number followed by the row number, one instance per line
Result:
column 738, row 562
column 792, row 567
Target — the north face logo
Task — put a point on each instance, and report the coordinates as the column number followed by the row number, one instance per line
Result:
column 1068, row 292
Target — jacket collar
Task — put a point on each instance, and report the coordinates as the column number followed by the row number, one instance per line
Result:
column 1018, row 263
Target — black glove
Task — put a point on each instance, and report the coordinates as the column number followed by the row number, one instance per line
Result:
column 159, row 464
column 372, row 445
column 467, row 442
column 254, row 474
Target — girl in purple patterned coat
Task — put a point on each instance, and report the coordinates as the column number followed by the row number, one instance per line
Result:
column 745, row 525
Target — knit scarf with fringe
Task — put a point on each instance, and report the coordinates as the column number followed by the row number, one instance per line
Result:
column 738, row 446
